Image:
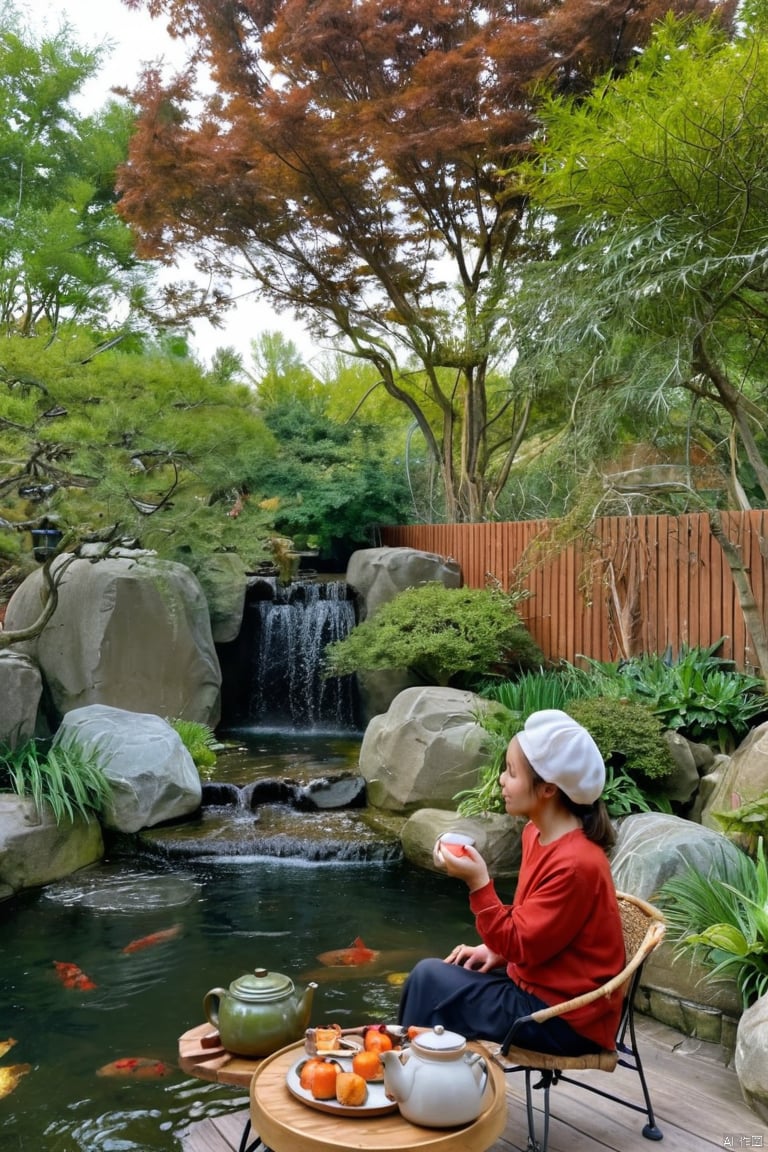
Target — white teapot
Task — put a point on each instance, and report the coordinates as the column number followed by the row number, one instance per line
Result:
column 437, row 1082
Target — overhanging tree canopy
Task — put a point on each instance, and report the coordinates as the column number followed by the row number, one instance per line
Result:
column 349, row 162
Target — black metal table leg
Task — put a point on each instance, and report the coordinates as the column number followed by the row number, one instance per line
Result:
column 245, row 1146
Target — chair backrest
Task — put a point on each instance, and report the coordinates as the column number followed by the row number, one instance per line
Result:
column 643, row 927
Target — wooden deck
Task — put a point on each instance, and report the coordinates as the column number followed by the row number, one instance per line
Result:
column 697, row 1100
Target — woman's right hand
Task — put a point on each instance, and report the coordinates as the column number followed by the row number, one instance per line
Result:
column 478, row 957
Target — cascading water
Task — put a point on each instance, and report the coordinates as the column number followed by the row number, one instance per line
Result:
column 290, row 786
column 289, row 633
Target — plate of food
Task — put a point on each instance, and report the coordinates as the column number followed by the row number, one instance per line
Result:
column 330, row 1084
column 331, row 1040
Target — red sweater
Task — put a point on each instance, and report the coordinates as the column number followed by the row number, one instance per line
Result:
column 562, row 935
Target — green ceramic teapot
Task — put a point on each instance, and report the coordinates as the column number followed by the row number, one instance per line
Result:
column 261, row 1012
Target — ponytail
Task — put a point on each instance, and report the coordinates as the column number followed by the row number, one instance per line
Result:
column 594, row 817
column 597, row 823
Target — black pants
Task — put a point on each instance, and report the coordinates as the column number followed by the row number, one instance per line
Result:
column 482, row 1005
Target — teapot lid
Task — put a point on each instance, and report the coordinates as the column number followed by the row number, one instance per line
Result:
column 439, row 1040
column 260, row 985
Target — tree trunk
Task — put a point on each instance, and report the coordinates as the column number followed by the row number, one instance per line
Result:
column 740, row 574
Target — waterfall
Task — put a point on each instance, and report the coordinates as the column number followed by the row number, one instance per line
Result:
column 287, row 630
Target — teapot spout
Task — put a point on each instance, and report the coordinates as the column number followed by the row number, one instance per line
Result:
column 305, row 1004
column 398, row 1075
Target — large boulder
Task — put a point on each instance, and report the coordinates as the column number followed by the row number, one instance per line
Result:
column 225, row 584
column 153, row 778
column 742, row 778
column 691, row 761
column 378, row 574
column 427, row 747
column 130, row 632
column 21, row 688
column 752, row 1057
column 35, row 850
column 496, row 837
column 651, row 848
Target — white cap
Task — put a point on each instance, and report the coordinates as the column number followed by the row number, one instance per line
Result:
column 561, row 752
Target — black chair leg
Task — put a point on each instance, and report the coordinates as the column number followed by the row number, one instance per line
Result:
column 544, row 1084
column 650, row 1130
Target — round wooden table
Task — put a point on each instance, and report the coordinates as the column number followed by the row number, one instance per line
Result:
column 286, row 1124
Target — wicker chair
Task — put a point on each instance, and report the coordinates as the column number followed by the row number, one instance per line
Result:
column 644, row 929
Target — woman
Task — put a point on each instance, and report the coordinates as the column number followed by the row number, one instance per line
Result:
column 562, row 934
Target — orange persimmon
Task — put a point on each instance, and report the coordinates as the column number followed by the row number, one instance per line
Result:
column 323, row 1085
column 307, row 1071
column 376, row 1041
column 351, row 1089
column 368, row 1065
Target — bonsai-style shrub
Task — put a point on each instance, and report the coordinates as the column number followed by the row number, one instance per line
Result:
column 445, row 636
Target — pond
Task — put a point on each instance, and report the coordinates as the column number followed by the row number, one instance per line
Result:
column 218, row 917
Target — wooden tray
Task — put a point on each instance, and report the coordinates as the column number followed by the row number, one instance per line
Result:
column 377, row 1103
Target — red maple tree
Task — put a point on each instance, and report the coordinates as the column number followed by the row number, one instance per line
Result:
column 353, row 158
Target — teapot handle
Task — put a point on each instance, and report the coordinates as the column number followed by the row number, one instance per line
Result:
column 474, row 1058
column 211, row 1002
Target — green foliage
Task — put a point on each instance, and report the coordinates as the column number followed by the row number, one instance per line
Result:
column 654, row 187
column 533, row 691
column 334, row 481
column 199, row 740
column 64, row 252
column 64, row 778
column 724, row 921
column 499, row 726
column 125, row 445
column 628, row 735
column 749, row 821
column 699, row 695
column 444, row 635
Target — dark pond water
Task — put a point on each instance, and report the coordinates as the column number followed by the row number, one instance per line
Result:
column 228, row 915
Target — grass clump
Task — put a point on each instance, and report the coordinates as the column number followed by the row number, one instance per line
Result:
column 67, row 780
column 199, row 740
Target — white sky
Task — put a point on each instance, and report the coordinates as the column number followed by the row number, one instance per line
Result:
column 133, row 39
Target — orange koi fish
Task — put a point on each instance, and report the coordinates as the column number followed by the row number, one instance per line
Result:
column 153, row 938
column 348, row 957
column 73, row 977
column 138, row 1067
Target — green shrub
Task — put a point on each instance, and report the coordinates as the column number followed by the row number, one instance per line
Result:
column 66, row 779
column 628, row 735
column 724, row 922
column 446, row 636
column 700, row 695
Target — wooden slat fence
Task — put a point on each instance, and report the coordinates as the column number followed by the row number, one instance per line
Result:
column 631, row 585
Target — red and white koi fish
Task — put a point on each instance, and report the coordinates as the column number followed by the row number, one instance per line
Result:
column 73, row 977
column 153, row 938
column 353, row 956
